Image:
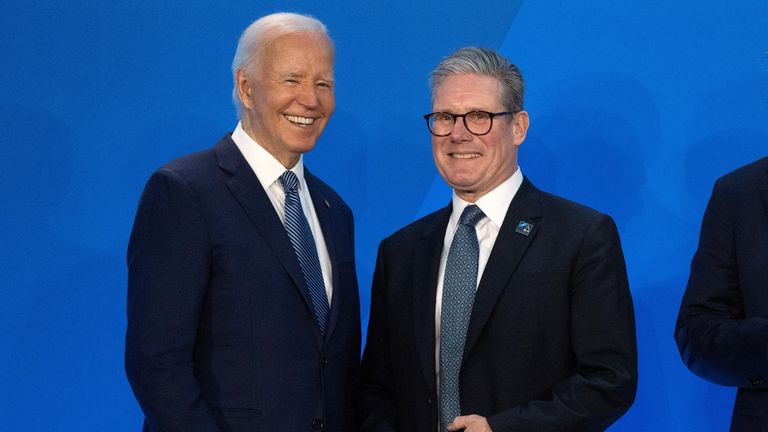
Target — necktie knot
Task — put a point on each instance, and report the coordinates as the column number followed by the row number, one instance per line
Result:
column 471, row 215
column 289, row 181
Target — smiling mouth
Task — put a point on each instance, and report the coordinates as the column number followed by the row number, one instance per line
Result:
column 464, row 155
column 299, row 120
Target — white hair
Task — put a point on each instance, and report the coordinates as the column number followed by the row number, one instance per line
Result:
column 263, row 31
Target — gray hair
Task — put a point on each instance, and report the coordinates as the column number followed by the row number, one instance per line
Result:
column 482, row 61
column 262, row 32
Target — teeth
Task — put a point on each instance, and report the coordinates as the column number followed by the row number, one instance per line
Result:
column 299, row 120
column 465, row 155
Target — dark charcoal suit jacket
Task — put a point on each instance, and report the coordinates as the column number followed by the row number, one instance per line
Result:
column 551, row 340
column 221, row 334
column 722, row 327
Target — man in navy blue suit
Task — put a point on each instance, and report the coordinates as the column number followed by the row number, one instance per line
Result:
column 243, row 309
column 509, row 309
column 722, row 327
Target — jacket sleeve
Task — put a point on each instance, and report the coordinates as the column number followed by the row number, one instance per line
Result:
column 168, row 271
column 377, row 411
column 603, row 341
column 716, row 339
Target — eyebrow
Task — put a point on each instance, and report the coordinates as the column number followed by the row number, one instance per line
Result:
column 291, row 75
column 301, row 75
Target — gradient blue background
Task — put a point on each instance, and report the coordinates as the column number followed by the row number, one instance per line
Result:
column 636, row 107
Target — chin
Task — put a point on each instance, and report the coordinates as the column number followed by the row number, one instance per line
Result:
column 302, row 146
column 461, row 183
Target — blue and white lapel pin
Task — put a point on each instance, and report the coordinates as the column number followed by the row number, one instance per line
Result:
column 524, row 228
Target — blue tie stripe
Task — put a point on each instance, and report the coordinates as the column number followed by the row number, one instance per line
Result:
column 459, row 286
column 304, row 245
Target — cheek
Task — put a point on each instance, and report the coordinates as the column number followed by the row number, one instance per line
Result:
column 438, row 156
column 438, row 143
column 440, row 162
column 328, row 101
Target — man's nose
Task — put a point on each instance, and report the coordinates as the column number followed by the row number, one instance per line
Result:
column 308, row 96
column 459, row 130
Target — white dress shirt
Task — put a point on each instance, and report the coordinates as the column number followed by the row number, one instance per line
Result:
column 269, row 170
column 494, row 205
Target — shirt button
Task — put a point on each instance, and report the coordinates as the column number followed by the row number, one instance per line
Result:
column 755, row 382
column 324, row 361
column 317, row 424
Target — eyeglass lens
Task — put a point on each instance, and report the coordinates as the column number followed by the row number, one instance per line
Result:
column 476, row 122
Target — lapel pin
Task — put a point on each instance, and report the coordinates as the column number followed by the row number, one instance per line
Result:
column 524, row 228
column 327, row 204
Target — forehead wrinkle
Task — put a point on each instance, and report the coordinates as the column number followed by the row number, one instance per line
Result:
column 297, row 64
column 462, row 105
column 279, row 56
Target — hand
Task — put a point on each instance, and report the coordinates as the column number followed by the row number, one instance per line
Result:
column 470, row 423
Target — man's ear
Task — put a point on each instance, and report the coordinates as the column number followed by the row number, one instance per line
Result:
column 520, row 127
column 243, row 86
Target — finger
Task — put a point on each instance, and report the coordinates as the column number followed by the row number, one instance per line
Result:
column 459, row 423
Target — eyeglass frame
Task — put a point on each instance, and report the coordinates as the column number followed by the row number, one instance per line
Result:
column 491, row 115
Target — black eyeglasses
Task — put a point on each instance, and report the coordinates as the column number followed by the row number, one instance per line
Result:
column 477, row 122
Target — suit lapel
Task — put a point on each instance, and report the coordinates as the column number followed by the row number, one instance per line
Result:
column 426, row 256
column 323, row 210
column 508, row 250
column 247, row 189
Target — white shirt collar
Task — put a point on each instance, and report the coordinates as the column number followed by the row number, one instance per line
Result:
column 495, row 203
column 266, row 167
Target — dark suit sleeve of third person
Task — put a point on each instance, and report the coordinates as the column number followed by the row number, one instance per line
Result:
column 721, row 331
column 604, row 379
column 168, row 270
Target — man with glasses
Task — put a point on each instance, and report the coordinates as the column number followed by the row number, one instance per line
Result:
column 509, row 309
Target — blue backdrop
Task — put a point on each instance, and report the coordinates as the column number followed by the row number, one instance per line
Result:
column 636, row 107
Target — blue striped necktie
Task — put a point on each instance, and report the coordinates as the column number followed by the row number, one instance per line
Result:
column 458, row 296
column 304, row 245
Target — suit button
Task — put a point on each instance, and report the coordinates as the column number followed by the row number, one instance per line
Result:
column 429, row 401
column 755, row 382
column 317, row 424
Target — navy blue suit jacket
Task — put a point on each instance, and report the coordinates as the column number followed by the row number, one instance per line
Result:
column 221, row 334
column 551, row 339
column 722, row 327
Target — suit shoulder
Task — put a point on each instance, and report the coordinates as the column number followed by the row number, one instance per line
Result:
column 198, row 167
column 420, row 226
column 193, row 163
column 739, row 191
column 570, row 210
column 746, row 176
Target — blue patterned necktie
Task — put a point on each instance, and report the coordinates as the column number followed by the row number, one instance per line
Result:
column 458, row 296
column 304, row 245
